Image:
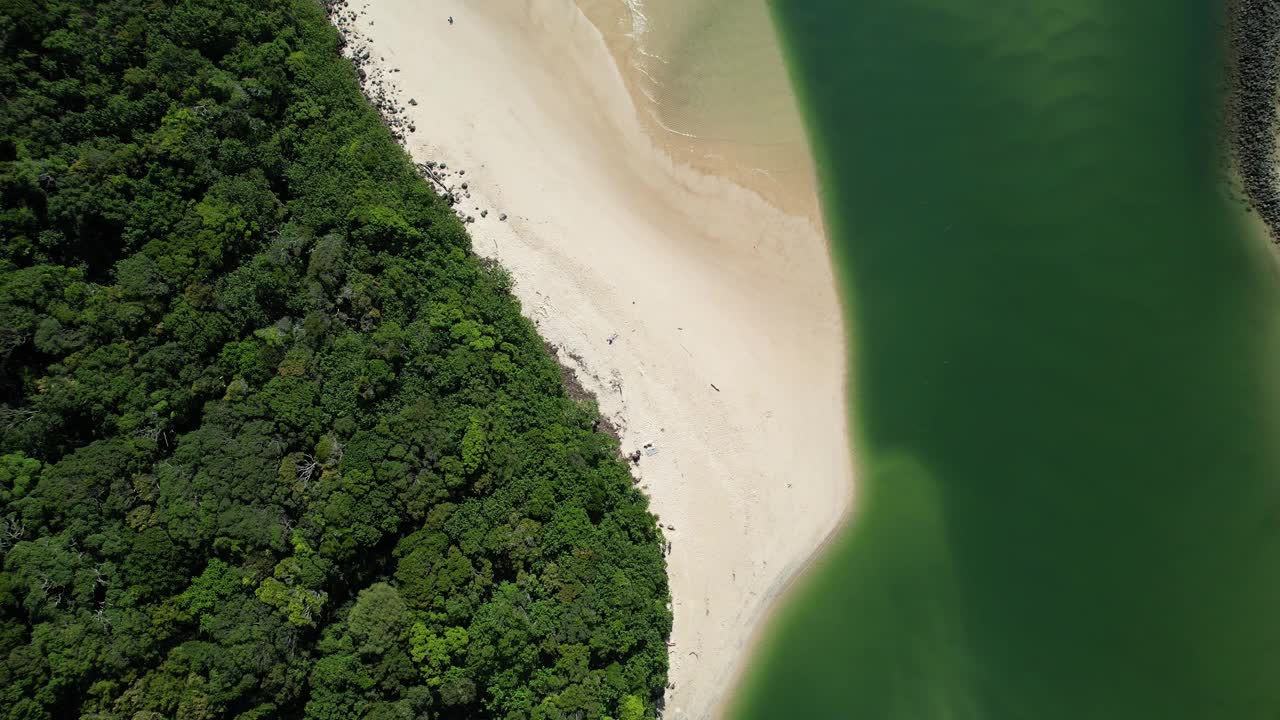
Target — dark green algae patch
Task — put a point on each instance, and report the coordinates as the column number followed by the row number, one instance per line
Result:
column 1065, row 389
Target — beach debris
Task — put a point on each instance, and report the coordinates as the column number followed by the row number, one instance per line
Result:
column 634, row 457
column 450, row 19
column 503, row 217
column 671, row 527
column 713, row 387
column 413, row 102
column 612, row 338
column 484, row 213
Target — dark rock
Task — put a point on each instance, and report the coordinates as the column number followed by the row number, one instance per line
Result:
column 1251, row 106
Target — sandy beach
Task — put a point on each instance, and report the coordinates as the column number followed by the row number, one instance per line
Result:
column 705, row 320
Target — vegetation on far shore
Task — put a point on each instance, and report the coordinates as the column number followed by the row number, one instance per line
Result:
column 273, row 442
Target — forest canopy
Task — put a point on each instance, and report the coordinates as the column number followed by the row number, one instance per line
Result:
column 273, row 442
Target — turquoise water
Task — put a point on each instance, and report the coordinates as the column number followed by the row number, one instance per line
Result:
column 1065, row 388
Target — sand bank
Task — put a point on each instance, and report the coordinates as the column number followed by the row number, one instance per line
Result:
column 711, row 86
column 705, row 320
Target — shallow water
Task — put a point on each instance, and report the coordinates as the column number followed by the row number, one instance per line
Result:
column 1066, row 357
column 710, row 78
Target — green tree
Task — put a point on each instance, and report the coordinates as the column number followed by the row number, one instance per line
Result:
column 273, row 441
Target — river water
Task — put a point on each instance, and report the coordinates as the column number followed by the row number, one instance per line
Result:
column 1065, row 383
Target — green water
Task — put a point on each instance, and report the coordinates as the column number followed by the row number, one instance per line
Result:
column 1065, row 385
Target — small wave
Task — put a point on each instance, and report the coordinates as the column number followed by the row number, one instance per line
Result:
column 639, row 67
column 652, row 56
column 657, row 118
column 639, row 22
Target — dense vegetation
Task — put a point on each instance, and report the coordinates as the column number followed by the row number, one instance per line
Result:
column 273, row 442
column 1253, row 31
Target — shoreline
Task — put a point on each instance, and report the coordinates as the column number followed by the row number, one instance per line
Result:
column 791, row 585
column 727, row 372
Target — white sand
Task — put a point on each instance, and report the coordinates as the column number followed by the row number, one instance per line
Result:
column 701, row 282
